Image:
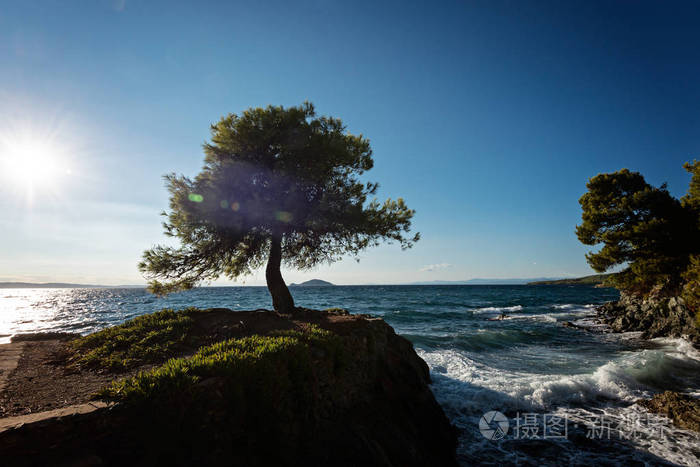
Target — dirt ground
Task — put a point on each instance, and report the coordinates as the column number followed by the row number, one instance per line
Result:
column 43, row 380
column 47, row 378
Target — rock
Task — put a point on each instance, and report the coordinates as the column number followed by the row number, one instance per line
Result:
column 373, row 408
column 655, row 316
column 682, row 409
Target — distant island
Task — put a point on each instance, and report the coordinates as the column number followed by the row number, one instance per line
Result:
column 595, row 279
column 313, row 283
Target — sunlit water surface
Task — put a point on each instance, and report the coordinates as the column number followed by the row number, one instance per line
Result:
column 526, row 364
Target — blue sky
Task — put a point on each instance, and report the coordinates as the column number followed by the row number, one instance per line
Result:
column 486, row 117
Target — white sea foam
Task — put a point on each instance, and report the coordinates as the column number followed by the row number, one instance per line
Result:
column 679, row 347
column 520, row 390
column 626, row 378
column 632, row 432
column 572, row 306
column 497, row 309
column 467, row 389
column 545, row 317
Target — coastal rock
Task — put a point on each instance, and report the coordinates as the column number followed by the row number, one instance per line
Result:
column 376, row 410
column 655, row 316
column 684, row 410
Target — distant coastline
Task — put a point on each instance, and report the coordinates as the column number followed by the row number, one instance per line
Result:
column 479, row 281
column 595, row 280
column 63, row 285
column 586, row 280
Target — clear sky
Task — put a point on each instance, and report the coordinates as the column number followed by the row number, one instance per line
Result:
column 486, row 117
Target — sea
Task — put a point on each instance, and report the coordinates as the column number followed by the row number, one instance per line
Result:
column 520, row 385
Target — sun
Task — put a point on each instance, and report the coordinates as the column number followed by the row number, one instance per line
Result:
column 31, row 163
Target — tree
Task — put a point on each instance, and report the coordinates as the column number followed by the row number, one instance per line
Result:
column 641, row 227
column 691, row 200
column 279, row 185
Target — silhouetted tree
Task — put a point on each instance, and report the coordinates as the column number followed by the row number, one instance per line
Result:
column 639, row 226
column 279, row 185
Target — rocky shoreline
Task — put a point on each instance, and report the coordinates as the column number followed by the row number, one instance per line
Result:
column 658, row 317
column 654, row 316
column 682, row 409
column 358, row 395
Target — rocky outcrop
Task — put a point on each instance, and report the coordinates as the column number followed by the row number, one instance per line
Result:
column 655, row 316
column 370, row 405
column 684, row 410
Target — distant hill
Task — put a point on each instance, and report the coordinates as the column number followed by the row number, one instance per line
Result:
column 61, row 285
column 595, row 279
column 313, row 283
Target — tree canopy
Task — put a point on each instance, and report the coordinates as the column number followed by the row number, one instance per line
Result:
column 279, row 185
column 641, row 227
column 692, row 199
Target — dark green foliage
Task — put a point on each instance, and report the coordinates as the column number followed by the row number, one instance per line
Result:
column 234, row 400
column 273, row 177
column 691, row 289
column 692, row 199
column 640, row 227
column 146, row 339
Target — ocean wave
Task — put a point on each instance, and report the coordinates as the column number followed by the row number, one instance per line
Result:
column 591, row 323
column 467, row 388
column 545, row 317
column 679, row 346
column 626, row 379
column 497, row 309
column 633, row 434
column 572, row 306
column 498, row 338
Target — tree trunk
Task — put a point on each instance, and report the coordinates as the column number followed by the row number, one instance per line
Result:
column 282, row 300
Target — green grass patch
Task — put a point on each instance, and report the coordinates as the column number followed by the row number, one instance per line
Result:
column 269, row 366
column 146, row 339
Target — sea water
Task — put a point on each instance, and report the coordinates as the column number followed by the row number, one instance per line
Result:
column 566, row 394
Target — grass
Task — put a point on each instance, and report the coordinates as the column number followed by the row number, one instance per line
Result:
column 240, row 396
column 146, row 339
column 268, row 365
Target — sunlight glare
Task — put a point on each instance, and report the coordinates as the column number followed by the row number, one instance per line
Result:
column 31, row 163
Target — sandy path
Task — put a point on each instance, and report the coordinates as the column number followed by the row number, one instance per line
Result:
column 9, row 357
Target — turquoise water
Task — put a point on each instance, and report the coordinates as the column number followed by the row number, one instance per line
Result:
column 527, row 363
